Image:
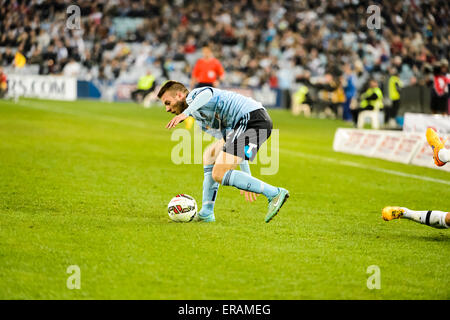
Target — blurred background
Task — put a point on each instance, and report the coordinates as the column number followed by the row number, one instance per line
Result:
column 317, row 58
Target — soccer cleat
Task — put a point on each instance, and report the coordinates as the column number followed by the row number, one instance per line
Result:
column 207, row 217
column 436, row 144
column 390, row 213
column 276, row 203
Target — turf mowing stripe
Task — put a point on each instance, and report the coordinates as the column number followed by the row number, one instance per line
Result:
column 40, row 106
column 57, row 109
column 362, row 166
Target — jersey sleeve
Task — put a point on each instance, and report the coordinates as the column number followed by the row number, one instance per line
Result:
column 197, row 99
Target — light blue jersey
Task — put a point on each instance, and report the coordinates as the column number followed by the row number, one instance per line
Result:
column 217, row 111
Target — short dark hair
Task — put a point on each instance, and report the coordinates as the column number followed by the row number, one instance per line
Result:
column 172, row 85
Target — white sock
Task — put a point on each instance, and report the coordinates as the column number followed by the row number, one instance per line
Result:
column 444, row 155
column 435, row 219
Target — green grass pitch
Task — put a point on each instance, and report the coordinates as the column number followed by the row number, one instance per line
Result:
column 87, row 183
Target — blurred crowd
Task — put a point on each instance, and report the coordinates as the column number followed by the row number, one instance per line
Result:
column 279, row 44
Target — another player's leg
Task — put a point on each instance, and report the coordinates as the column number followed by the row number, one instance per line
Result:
column 432, row 218
column 440, row 154
column 444, row 155
column 210, row 187
column 225, row 173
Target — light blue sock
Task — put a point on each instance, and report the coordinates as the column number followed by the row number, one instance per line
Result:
column 210, row 188
column 244, row 181
column 244, row 166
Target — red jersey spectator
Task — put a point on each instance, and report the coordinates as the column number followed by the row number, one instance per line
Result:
column 439, row 92
column 208, row 71
column 3, row 83
column 190, row 47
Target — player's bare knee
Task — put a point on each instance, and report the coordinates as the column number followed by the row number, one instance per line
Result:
column 208, row 156
column 211, row 153
column 207, row 160
column 217, row 174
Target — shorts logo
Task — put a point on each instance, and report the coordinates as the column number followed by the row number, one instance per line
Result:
column 249, row 150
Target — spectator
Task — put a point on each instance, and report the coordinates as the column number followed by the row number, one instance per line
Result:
column 254, row 40
column 331, row 93
column 62, row 53
column 72, row 68
column 3, row 83
column 350, row 91
column 145, row 85
column 301, row 101
column 7, row 57
column 395, row 85
column 286, row 80
column 439, row 91
column 43, row 40
column 371, row 99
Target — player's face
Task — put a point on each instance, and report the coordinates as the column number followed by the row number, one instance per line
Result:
column 174, row 103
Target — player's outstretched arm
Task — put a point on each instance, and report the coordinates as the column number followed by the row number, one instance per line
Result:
column 176, row 120
column 198, row 101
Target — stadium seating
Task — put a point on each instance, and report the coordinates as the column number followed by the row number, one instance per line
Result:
column 258, row 42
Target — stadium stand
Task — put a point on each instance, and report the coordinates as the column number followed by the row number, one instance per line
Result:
column 278, row 44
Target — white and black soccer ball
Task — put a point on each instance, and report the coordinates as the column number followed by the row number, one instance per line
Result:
column 182, row 208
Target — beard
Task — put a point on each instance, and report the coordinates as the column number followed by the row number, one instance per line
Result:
column 180, row 106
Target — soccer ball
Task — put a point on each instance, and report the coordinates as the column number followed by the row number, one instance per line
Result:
column 182, row 208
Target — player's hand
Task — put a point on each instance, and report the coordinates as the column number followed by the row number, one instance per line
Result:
column 249, row 196
column 176, row 120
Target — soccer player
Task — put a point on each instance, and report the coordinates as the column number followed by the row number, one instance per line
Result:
column 440, row 155
column 436, row 219
column 432, row 218
column 242, row 124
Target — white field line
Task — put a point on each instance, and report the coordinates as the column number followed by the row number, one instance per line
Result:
column 363, row 166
